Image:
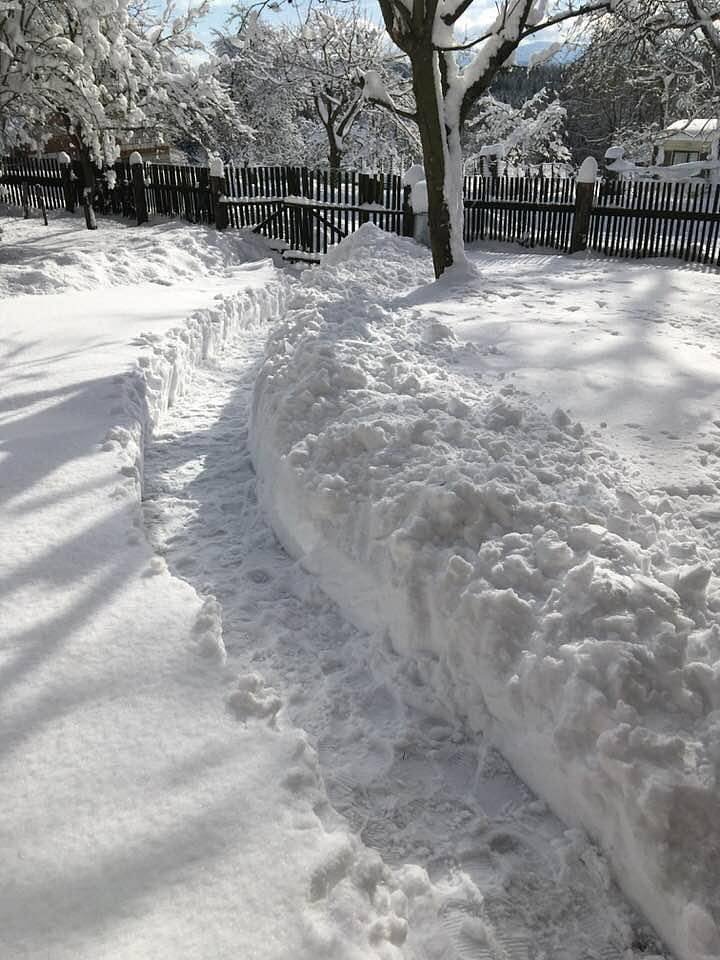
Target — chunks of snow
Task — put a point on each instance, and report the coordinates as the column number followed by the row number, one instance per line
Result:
column 374, row 89
column 545, row 608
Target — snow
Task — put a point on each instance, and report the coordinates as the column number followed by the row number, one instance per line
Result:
column 614, row 153
column 507, row 481
column 155, row 803
column 492, row 150
column 695, row 129
column 420, row 791
column 414, row 450
column 588, row 171
column 373, row 88
column 419, row 197
column 34, row 260
column 413, row 175
column 682, row 171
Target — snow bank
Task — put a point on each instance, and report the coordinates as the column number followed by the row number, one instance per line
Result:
column 66, row 256
column 544, row 600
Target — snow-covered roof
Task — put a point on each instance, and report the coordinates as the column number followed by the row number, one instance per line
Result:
column 697, row 129
column 493, row 150
column 614, row 153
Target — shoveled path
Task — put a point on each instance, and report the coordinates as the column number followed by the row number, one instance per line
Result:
column 406, row 777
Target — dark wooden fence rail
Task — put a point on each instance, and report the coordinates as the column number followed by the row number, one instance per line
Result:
column 532, row 211
column 42, row 175
column 657, row 219
column 627, row 218
column 308, row 210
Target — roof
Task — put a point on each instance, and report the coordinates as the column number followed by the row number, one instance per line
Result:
column 698, row 129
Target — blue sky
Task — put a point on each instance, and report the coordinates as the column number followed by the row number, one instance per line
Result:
column 479, row 14
column 214, row 21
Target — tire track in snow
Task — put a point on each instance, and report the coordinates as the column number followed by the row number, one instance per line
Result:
column 402, row 772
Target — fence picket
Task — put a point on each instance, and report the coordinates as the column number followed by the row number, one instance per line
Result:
column 628, row 218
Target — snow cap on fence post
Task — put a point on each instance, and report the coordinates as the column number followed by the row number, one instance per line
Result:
column 413, row 175
column 588, row 171
column 416, row 198
column 64, row 159
column 135, row 158
column 419, row 197
column 217, row 192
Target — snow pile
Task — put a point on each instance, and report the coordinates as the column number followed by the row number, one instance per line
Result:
column 545, row 601
column 66, row 256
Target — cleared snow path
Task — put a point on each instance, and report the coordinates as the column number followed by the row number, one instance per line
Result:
column 509, row 882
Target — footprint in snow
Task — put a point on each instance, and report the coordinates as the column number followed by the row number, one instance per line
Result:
column 258, row 576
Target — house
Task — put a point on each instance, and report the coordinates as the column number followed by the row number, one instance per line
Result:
column 150, row 149
column 687, row 141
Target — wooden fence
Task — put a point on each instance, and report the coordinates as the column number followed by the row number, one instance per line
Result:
column 307, row 211
column 534, row 211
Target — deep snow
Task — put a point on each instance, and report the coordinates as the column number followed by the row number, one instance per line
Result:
column 181, row 729
column 508, row 879
column 569, row 615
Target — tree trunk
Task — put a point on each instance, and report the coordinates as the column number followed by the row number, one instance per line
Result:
column 334, row 157
column 443, row 164
column 88, row 169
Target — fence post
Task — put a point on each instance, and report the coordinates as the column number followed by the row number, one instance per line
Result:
column 293, row 190
column 363, row 195
column 40, row 198
column 408, row 217
column 584, row 189
column 90, row 221
column 204, row 204
column 137, row 171
column 217, row 189
column 68, row 187
column 415, row 197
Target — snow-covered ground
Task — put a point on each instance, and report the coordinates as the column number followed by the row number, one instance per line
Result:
column 556, row 597
column 629, row 348
column 201, row 756
column 154, row 804
column 509, row 882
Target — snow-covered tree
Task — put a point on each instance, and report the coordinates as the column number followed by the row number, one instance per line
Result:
column 530, row 133
column 102, row 70
column 178, row 96
column 325, row 57
column 249, row 65
column 50, row 52
column 654, row 62
column 309, row 73
column 447, row 87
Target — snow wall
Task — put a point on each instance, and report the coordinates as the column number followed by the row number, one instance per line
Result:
column 160, row 378
column 545, row 603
